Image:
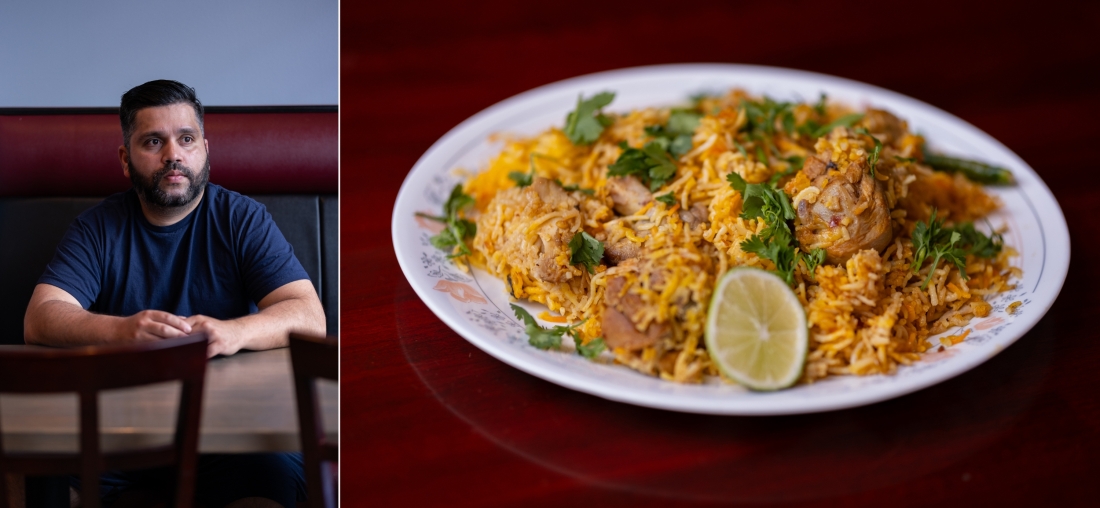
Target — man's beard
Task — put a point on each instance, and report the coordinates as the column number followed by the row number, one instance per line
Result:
column 154, row 196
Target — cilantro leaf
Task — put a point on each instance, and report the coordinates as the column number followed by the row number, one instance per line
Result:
column 877, row 150
column 922, row 239
column 976, row 243
column 762, row 114
column 524, row 179
column 925, row 236
column 445, row 240
column 667, row 199
column 592, row 349
column 453, row 236
column 761, row 155
column 457, row 201
column 585, row 250
column 775, row 242
column 660, row 137
column 584, row 124
column 680, row 146
column 546, row 338
column 741, row 150
column 932, row 239
column 737, row 182
column 788, row 122
column 819, row 106
column 521, row 179
column 683, row 121
column 542, row 338
column 954, row 254
column 845, row 121
column 575, row 187
column 651, row 164
column 457, row 229
column 675, row 136
column 538, row 336
column 755, row 245
column 814, row 259
column 764, row 201
column 781, row 253
column 948, row 252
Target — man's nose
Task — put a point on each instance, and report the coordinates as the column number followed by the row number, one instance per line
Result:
column 171, row 152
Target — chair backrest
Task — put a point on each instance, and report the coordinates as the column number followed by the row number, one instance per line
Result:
column 315, row 358
column 89, row 370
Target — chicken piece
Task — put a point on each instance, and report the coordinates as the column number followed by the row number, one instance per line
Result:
column 883, row 124
column 515, row 225
column 628, row 194
column 848, row 215
column 550, row 192
column 546, row 266
column 695, row 215
column 621, row 250
column 552, row 241
column 619, row 329
column 816, row 166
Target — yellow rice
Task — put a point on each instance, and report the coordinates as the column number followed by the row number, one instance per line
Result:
column 866, row 316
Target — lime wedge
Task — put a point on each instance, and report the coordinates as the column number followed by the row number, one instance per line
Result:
column 756, row 329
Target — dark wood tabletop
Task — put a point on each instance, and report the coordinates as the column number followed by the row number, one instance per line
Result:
column 428, row 419
column 248, row 406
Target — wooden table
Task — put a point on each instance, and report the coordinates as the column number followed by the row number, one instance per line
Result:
column 434, row 421
column 248, row 406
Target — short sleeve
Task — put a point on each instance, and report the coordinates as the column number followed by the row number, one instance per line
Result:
column 267, row 259
column 77, row 266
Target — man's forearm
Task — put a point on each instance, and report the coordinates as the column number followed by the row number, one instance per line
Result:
column 55, row 318
column 293, row 307
column 269, row 328
column 58, row 323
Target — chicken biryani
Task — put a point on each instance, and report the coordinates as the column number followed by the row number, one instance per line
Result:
column 622, row 222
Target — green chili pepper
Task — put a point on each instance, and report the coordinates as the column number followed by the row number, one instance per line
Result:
column 979, row 172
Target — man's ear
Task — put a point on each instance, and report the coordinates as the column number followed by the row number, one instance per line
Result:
column 122, row 156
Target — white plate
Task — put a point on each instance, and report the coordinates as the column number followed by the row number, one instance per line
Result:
column 476, row 306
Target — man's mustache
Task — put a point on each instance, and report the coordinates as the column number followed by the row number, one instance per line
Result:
column 173, row 166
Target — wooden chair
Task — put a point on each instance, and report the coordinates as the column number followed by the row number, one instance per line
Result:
column 89, row 370
column 315, row 358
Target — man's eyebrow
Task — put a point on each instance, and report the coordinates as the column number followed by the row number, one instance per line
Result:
column 160, row 134
column 150, row 134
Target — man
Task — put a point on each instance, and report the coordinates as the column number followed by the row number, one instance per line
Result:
column 173, row 256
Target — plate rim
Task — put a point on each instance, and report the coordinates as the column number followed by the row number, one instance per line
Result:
column 866, row 395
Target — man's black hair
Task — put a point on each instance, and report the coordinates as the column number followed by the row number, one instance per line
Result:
column 161, row 92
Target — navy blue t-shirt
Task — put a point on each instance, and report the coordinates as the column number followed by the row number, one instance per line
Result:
column 219, row 261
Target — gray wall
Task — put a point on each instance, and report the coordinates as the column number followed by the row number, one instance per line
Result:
column 234, row 52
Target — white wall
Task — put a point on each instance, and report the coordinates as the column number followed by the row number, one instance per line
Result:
column 57, row 53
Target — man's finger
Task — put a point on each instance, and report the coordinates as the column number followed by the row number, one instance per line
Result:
column 166, row 331
column 174, row 321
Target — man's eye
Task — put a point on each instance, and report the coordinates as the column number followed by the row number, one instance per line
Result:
column 153, row 142
column 188, row 139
